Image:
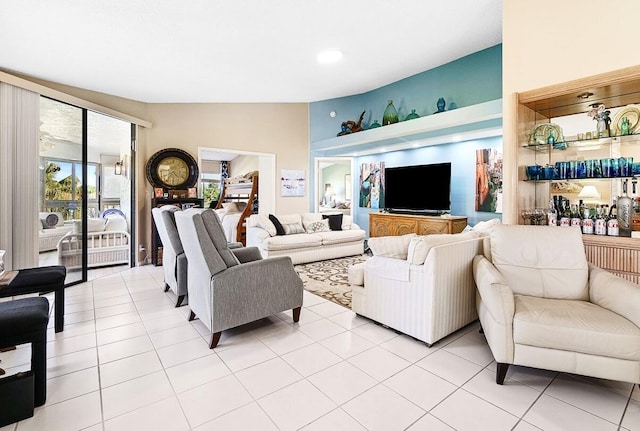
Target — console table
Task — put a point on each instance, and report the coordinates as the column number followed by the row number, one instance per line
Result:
column 386, row 224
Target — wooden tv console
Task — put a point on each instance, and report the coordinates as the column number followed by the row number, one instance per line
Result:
column 386, row 224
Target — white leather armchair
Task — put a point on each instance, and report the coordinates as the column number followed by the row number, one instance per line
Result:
column 542, row 305
column 419, row 285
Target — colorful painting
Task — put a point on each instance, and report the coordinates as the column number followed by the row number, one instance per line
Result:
column 489, row 180
column 292, row 182
column 371, row 185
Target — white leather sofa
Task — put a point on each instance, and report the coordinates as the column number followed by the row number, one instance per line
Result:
column 419, row 285
column 542, row 305
column 301, row 242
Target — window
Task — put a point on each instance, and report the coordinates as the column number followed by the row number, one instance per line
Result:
column 210, row 181
column 63, row 188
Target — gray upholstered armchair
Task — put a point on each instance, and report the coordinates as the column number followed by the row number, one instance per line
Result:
column 225, row 291
column 174, row 261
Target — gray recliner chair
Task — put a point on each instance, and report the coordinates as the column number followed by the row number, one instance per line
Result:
column 174, row 261
column 228, row 288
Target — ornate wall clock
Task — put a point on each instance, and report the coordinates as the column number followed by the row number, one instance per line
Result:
column 172, row 168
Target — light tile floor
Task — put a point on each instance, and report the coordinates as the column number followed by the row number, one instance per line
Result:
column 128, row 360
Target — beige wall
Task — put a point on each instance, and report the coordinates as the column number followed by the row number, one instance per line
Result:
column 547, row 42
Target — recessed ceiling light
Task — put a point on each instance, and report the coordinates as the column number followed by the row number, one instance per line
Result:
column 329, row 56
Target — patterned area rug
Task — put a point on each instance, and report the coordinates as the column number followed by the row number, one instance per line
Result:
column 329, row 278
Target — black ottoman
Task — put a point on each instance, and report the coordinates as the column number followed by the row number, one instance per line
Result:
column 25, row 321
column 41, row 280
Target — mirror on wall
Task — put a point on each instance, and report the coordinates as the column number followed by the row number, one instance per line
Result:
column 334, row 186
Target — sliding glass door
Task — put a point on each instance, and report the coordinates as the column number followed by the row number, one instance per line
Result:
column 84, row 181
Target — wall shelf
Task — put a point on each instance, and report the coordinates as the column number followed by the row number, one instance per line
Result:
column 472, row 122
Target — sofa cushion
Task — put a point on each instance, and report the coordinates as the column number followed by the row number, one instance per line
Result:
column 576, row 326
column 116, row 223
column 420, row 246
column 317, row 226
column 341, row 237
column 391, row 246
column 289, row 242
column 547, row 263
column 335, row 221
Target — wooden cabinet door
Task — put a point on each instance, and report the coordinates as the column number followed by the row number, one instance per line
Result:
column 427, row 227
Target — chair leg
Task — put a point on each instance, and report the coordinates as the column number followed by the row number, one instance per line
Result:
column 59, row 306
column 296, row 314
column 166, row 287
column 215, row 337
column 501, row 372
column 192, row 316
column 179, row 301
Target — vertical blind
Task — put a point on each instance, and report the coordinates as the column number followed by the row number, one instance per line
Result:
column 19, row 179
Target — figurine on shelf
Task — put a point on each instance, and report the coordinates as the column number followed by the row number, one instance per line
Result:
column 625, row 127
column 441, row 104
column 601, row 115
column 351, row 126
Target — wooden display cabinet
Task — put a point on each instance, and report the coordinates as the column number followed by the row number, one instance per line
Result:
column 386, row 224
column 563, row 103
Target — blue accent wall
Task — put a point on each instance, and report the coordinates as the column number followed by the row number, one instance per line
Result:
column 462, row 156
column 467, row 81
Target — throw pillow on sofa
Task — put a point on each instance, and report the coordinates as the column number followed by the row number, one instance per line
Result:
column 317, row 226
column 277, row 225
column 292, row 228
column 335, row 221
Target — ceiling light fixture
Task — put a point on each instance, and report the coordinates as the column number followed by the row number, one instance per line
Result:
column 585, row 95
column 329, row 56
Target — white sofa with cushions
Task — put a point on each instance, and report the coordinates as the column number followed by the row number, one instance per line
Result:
column 108, row 243
column 421, row 285
column 305, row 237
column 542, row 305
column 51, row 229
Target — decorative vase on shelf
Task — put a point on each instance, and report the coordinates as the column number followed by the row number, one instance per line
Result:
column 375, row 125
column 390, row 114
column 412, row 116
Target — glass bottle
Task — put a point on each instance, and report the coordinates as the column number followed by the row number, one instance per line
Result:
column 625, row 211
column 613, row 227
column 412, row 115
column 552, row 215
column 600, row 225
column 565, row 217
column 587, row 221
column 374, row 125
column 390, row 114
column 575, row 216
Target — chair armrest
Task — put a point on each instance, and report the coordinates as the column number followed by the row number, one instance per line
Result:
column 247, row 254
column 614, row 293
column 494, row 291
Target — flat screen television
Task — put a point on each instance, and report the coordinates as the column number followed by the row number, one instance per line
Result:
column 418, row 189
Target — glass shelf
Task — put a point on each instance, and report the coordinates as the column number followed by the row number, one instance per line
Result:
column 572, row 141
column 558, row 180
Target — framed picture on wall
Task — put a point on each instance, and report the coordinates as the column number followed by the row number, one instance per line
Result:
column 292, row 182
column 489, row 180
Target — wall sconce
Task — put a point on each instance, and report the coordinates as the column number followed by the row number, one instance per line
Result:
column 118, row 168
